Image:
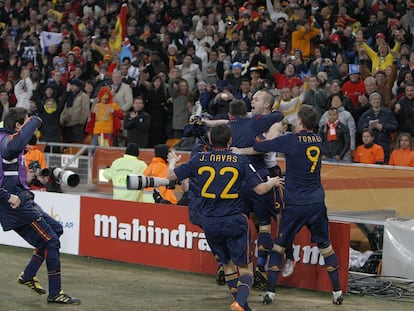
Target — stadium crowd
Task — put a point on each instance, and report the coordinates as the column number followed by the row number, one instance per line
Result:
column 352, row 60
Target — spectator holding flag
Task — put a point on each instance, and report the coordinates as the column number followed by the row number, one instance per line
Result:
column 48, row 39
column 119, row 33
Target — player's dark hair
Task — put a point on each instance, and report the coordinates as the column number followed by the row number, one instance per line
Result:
column 15, row 114
column 237, row 108
column 309, row 117
column 220, row 136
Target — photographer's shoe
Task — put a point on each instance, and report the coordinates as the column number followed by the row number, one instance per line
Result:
column 31, row 283
column 63, row 298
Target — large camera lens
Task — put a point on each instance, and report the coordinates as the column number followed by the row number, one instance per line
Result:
column 66, row 177
column 138, row 182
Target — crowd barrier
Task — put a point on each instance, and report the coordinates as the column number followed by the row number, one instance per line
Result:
column 351, row 187
column 161, row 235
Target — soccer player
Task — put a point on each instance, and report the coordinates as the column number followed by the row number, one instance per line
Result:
column 221, row 177
column 264, row 206
column 304, row 198
column 267, row 205
column 28, row 219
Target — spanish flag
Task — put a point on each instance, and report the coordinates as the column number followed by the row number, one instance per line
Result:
column 119, row 33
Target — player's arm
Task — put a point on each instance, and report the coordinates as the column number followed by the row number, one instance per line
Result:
column 245, row 151
column 212, row 123
column 12, row 145
column 274, row 131
column 14, row 200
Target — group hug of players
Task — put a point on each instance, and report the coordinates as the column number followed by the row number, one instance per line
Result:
column 238, row 177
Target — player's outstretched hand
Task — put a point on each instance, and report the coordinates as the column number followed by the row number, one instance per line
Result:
column 173, row 157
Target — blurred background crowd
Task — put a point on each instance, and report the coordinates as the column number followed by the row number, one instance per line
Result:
column 115, row 72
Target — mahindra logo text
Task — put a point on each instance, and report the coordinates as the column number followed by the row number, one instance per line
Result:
column 108, row 226
column 310, row 255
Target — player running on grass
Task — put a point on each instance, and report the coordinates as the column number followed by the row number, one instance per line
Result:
column 28, row 219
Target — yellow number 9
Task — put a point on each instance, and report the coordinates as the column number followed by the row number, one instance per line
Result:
column 313, row 154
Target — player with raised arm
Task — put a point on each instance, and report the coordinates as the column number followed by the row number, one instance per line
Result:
column 222, row 175
column 304, row 198
column 26, row 217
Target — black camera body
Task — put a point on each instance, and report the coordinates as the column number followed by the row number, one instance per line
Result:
column 37, row 169
column 59, row 175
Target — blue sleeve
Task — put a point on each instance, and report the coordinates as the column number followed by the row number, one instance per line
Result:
column 12, row 145
column 279, row 144
column 4, row 195
column 251, row 177
column 262, row 123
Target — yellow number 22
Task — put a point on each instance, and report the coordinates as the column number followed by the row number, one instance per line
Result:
column 212, row 174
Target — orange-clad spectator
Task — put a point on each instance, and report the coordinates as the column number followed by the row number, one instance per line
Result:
column 159, row 168
column 105, row 120
column 404, row 155
column 369, row 152
column 301, row 38
column 34, row 154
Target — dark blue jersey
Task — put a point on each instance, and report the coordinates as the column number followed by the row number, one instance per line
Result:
column 243, row 136
column 13, row 175
column 303, row 166
column 219, row 180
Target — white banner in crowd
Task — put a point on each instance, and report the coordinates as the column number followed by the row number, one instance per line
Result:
column 65, row 208
column 398, row 249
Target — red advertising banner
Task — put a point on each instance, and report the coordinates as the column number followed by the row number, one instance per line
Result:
column 309, row 270
column 151, row 234
column 161, row 235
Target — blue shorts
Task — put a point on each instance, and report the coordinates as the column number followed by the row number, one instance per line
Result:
column 42, row 232
column 294, row 217
column 229, row 238
column 265, row 206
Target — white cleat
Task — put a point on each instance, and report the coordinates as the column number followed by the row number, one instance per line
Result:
column 337, row 297
column 268, row 297
column 288, row 267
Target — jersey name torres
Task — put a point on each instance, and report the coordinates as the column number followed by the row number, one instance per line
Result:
column 303, row 165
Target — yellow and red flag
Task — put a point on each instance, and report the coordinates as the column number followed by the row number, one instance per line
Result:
column 119, row 33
